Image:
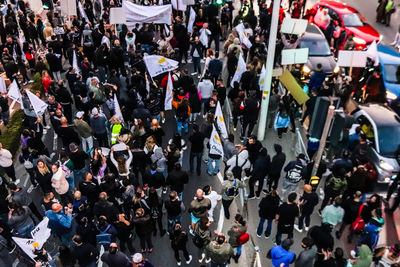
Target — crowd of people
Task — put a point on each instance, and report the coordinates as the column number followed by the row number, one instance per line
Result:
column 115, row 174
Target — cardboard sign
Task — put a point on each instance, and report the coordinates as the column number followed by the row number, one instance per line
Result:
column 356, row 59
column 68, row 8
column 117, row 15
column 58, row 31
column 188, row 2
column 295, row 89
column 294, row 56
column 294, row 26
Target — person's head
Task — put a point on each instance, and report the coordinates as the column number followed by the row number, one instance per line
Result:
column 204, row 223
column 177, row 166
column 199, row 193
column 40, row 164
column 229, row 175
column 307, row 243
column 56, row 207
column 77, row 239
column 307, row 188
column 337, row 201
column 339, row 254
column 77, row 195
column 173, row 195
column 54, row 168
column 292, row 197
column 220, row 239
column 113, row 249
column 88, row 177
column 137, row 260
column 177, row 229
column 139, row 212
column 252, row 139
column 357, row 195
column 239, row 219
column 48, row 195
column 103, row 196
column 287, row 243
column 13, row 187
column 207, row 189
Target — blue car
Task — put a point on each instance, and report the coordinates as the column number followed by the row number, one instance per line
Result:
column 389, row 58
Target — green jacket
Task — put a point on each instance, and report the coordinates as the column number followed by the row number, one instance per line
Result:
column 234, row 233
column 364, row 257
column 219, row 254
column 83, row 128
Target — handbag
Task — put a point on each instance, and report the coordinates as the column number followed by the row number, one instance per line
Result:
column 359, row 222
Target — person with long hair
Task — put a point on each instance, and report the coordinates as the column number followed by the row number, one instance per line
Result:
column 60, row 184
column 179, row 241
column 46, row 81
column 65, row 257
column 19, row 219
column 121, row 163
column 43, row 176
column 236, row 231
column 143, row 229
column 98, row 165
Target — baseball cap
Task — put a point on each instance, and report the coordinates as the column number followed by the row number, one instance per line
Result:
column 137, row 257
column 95, row 111
column 79, row 114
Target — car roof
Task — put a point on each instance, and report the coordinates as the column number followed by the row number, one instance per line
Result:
column 339, row 7
column 380, row 114
column 388, row 55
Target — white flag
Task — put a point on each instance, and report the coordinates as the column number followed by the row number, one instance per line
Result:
column 168, row 94
column 146, row 14
column 192, row 18
column 372, row 53
column 215, row 143
column 244, row 39
column 39, row 106
column 262, row 78
column 3, row 86
column 220, row 121
column 14, row 93
column 166, row 27
column 75, row 63
column 158, row 64
column 241, row 67
column 82, row 11
column 117, row 108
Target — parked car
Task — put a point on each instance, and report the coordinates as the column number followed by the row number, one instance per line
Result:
column 354, row 22
column 389, row 58
column 318, row 51
column 381, row 125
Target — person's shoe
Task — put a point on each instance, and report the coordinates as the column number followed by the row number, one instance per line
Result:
column 306, row 228
column 208, row 260
column 298, row 229
column 163, row 120
column 258, row 235
column 194, row 73
column 234, row 129
column 17, row 181
column 179, row 263
column 251, row 197
column 202, row 257
column 241, row 139
column 236, row 258
column 190, row 259
column 150, row 250
column 191, row 231
column 198, row 76
column 319, row 213
column 47, row 127
column 257, row 196
column 266, row 237
column 265, row 191
column 12, row 249
column 337, row 234
column 204, row 116
column 163, row 232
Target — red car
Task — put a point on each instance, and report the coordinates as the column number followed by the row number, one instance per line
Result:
column 353, row 21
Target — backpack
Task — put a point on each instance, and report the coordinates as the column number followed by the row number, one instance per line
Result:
column 359, row 222
column 243, row 238
column 232, row 191
column 104, row 238
column 65, row 168
column 294, row 174
column 154, row 212
column 28, row 164
column 237, row 170
column 182, row 112
column 198, row 241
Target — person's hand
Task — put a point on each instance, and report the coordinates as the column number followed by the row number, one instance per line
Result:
column 8, row 197
column 121, row 217
column 127, row 147
column 38, row 120
column 112, row 150
column 327, row 253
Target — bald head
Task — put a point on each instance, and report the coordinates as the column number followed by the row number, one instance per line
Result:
column 77, row 194
column 63, row 121
column 56, row 207
column 199, row 193
column 103, row 196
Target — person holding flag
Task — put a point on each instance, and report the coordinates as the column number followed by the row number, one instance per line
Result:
column 215, row 153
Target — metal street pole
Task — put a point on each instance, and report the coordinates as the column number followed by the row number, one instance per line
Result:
column 322, row 142
column 268, row 71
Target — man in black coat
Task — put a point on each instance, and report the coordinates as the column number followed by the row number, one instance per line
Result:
column 260, row 171
column 177, row 178
column 55, row 64
column 278, row 160
column 250, row 107
column 117, row 57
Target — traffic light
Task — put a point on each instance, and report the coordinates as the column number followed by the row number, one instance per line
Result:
column 318, row 119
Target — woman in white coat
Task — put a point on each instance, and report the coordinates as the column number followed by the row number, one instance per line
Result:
column 61, row 185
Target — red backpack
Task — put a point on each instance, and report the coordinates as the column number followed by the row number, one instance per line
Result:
column 243, row 238
column 359, row 222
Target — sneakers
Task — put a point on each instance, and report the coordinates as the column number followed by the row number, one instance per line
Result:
column 163, row 120
column 353, row 254
column 234, row 129
column 319, row 213
column 266, row 237
column 251, row 197
column 191, row 231
column 194, row 73
column 258, row 235
column 190, row 259
column 17, row 181
column 257, row 196
column 179, row 263
column 202, row 257
column 198, row 76
column 298, row 229
column 306, row 228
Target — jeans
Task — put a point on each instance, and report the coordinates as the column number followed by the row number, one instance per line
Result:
column 26, row 230
column 301, row 219
column 287, row 188
column 198, row 156
column 261, row 227
column 172, row 222
column 226, row 204
column 278, row 237
column 196, row 64
column 204, row 102
column 102, row 74
column 71, row 181
column 239, row 250
column 87, row 143
column 210, row 168
column 5, row 116
column 78, row 174
column 193, row 117
column 184, row 124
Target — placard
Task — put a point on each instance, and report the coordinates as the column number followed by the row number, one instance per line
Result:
column 117, row 15
column 349, row 58
column 295, row 89
column 294, row 56
column 68, row 8
column 188, row 2
column 58, row 31
column 294, row 26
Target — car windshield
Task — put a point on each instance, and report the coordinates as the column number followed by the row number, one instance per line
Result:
column 352, row 20
column 389, row 140
column 392, row 73
column 316, row 47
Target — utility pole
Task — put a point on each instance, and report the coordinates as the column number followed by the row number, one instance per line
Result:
column 268, row 70
column 322, row 141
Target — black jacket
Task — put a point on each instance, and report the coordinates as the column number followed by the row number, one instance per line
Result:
column 177, row 179
column 277, row 163
column 268, row 207
column 198, row 46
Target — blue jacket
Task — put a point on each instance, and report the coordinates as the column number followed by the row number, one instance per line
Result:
column 59, row 223
column 317, row 78
column 280, row 255
column 215, row 67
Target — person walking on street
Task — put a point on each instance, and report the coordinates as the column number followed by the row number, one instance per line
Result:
column 287, row 213
column 333, row 214
column 98, row 122
column 198, row 208
column 219, row 251
column 196, row 149
column 201, row 237
column 229, row 190
column 295, row 172
column 6, row 163
column 267, row 210
column 278, row 160
column 236, row 236
column 261, row 168
column 84, row 130
column 281, row 255
column 179, row 241
column 308, row 201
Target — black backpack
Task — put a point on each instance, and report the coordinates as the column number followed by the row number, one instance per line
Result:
column 182, row 112
column 237, row 170
column 294, row 175
column 198, row 241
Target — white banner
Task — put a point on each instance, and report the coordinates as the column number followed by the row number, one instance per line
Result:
column 220, row 121
column 241, row 67
column 168, row 94
column 188, row 2
column 157, row 64
column 178, row 5
column 294, row 26
column 75, row 63
column 14, row 92
column 146, row 14
column 82, row 11
column 68, row 7
column 215, row 143
column 38, row 105
column 294, row 56
column 3, row 86
column 372, row 53
column 117, row 108
column 350, row 58
column 244, row 39
column 117, row 15
column 192, row 18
